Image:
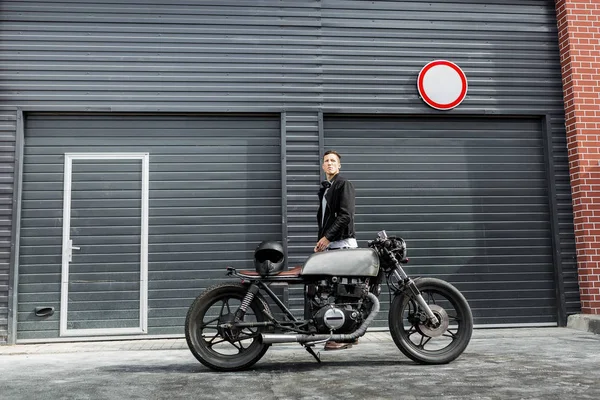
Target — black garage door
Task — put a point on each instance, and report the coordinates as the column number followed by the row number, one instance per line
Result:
column 470, row 197
column 214, row 194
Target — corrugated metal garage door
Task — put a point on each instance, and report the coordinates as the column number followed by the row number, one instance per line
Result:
column 470, row 197
column 214, row 194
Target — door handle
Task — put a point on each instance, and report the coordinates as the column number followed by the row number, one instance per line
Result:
column 70, row 249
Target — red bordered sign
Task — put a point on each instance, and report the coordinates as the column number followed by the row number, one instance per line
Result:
column 442, row 84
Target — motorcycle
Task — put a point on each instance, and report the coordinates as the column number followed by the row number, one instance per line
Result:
column 230, row 326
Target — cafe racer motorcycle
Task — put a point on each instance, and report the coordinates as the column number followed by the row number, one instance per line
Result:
column 230, row 326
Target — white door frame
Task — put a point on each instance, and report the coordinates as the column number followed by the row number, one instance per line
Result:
column 67, row 245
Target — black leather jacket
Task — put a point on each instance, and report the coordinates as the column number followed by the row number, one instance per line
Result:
column 339, row 213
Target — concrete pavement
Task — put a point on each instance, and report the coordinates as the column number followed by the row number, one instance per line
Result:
column 523, row 363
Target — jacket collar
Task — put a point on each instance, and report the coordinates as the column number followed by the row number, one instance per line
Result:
column 334, row 178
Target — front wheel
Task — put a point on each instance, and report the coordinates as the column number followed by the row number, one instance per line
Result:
column 421, row 342
column 214, row 344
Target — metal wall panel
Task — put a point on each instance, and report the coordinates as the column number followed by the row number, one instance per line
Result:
column 371, row 55
column 470, row 197
column 215, row 194
column 8, row 126
column 303, row 56
column 302, row 148
column 178, row 55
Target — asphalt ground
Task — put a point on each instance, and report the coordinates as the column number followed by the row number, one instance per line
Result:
column 518, row 363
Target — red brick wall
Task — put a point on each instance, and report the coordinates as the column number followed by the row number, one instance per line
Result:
column 579, row 42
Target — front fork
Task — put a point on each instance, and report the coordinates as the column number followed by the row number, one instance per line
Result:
column 401, row 276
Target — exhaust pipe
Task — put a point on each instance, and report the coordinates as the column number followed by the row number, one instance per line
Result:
column 279, row 338
column 282, row 338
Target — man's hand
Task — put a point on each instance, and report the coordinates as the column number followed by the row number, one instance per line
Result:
column 322, row 244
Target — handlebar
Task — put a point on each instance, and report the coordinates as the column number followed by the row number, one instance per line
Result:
column 390, row 246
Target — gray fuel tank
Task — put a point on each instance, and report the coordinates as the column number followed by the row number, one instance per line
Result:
column 345, row 262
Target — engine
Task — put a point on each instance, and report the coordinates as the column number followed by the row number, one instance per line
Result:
column 338, row 304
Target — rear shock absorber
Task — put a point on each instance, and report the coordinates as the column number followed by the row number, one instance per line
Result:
column 240, row 312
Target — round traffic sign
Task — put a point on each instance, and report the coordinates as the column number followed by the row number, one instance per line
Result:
column 442, row 84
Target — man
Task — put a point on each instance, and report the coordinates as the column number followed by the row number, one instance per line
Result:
column 335, row 216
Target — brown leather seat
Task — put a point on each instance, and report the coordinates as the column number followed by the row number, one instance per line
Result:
column 294, row 272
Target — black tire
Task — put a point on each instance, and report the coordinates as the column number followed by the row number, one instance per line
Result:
column 421, row 343
column 208, row 344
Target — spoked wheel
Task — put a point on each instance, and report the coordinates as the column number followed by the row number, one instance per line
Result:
column 215, row 345
column 422, row 342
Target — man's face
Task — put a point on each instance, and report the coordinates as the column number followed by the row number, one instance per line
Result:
column 331, row 165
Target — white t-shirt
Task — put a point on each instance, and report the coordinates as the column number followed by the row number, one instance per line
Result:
column 340, row 244
column 324, row 206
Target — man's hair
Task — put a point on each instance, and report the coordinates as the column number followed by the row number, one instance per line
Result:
column 333, row 152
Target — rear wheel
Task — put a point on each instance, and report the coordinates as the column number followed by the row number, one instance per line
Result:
column 218, row 347
column 423, row 343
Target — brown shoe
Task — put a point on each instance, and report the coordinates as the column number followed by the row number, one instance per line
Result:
column 331, row 345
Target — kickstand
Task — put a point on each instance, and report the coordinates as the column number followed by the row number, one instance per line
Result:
column 312, row 353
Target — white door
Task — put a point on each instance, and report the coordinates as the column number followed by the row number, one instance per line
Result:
column 104, row 281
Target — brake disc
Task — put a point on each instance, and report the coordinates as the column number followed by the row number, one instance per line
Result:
column 442, row 316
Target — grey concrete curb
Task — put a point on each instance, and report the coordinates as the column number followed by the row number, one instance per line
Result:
column 584, row 322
